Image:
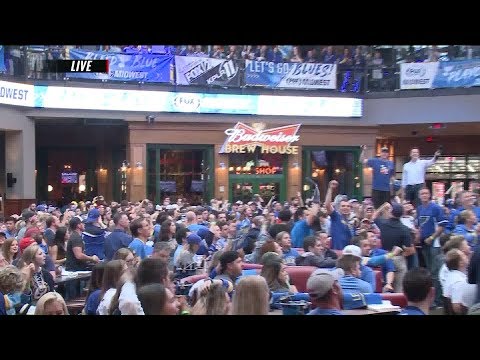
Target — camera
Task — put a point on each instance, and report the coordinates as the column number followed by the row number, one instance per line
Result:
column 150, row 119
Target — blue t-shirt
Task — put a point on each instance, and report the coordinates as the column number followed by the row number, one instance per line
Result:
column 319, row 311
column 44, row 247
column 177, row 253
column 49, row 263
column 411, row 310
column 368, row 276
column 195, row 227
column 3, row 309
column 300, row 230
column 387, row 266
column 140, row 249
column 116, row 240
column 428, row 217
column 156, row 229
column 452, row 220
column 351, row 284
column 469, row 234
column 92, row 302
column 383, row 171
column 290, row 256
column 339, row 230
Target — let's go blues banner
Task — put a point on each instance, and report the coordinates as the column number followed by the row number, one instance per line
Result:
column 291, row 75
column 451, row 74
column 126, row 67
column 2, row 59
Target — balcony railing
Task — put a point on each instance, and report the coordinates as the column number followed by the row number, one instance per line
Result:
column 27, row 64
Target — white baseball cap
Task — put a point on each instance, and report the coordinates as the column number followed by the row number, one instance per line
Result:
column 352, row 250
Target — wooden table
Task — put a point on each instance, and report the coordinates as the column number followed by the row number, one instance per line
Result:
column 77, row 275
column 386, row 311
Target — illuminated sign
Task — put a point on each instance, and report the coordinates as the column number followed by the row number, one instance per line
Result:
column 81, row 98
column 16, row 94
column 245, row 139
column 266, row 170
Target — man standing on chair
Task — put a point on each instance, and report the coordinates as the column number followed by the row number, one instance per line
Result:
column 382, row 177
column 413, row 177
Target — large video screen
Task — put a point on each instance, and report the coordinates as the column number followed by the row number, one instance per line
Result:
column 70, row 178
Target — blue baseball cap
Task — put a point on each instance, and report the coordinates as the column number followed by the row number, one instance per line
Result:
column 41, row 207
column 93, row 215
column 194, row 239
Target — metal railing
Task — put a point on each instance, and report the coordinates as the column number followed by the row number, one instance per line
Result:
column 24, row 63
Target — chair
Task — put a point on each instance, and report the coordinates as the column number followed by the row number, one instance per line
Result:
column 378, row 281
column 448, row 308
column 192, row 279
column 299, row 276
column 75, row 306
column 398, row 299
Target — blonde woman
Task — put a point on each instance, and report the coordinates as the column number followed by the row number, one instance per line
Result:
column 215, row 301
column 12, row 284
column 39, row 280
column 251, row 296
column 51, row 303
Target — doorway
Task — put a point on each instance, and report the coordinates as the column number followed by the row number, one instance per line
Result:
column 323, row 164
column 176, row 171
column 65, row 174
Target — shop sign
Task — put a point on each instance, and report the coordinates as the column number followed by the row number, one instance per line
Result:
column 245, row 139
column 266, row 170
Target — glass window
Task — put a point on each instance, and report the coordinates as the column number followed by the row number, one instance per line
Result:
column 182, row 167
column 152, row 189
column 334, row 165
column 181, row 174
column 449, row 169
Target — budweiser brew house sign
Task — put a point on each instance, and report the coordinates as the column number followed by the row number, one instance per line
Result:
column 245, row 139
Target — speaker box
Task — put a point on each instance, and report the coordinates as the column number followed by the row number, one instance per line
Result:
column 10, row 180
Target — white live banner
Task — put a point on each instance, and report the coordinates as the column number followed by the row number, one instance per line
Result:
column 417, row 75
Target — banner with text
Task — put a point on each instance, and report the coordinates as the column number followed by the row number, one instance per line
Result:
column 442, row 74
column 452, row 74
column 2, row 59
column 16, row 94
column 291, row 75
column 191, row 70
column 126, row 67
column 417, row 75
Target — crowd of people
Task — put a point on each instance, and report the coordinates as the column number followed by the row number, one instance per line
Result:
column 31, row 57
column 141, row 253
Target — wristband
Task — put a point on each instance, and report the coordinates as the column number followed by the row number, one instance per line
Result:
column 185, row 312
